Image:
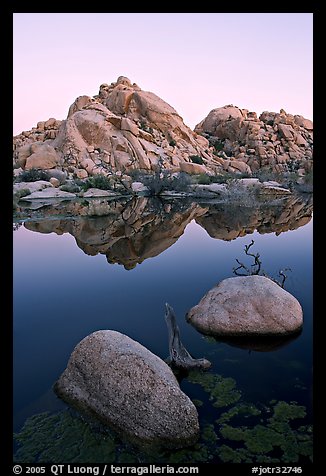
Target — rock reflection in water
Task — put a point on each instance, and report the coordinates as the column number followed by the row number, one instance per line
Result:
column 130, row 232
column 260, row 343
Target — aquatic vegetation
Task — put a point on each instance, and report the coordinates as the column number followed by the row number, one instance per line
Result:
column 208, row 434
column 62, row 437
column 222, row 390
column 244, row 409
column 288, row 411
column 229, row 455
column 270, row 434
column 197, row 403
column 241, row 432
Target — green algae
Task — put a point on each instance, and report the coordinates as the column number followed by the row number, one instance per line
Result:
column 197, row 403
column 222, row 390
column 242, row 409
column 208, row 434
column 260, row 441
column 238, row 431
column 229, row 455
column 61, row 437
column 284, row 411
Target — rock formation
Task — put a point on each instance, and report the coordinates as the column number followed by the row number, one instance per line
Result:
column 124, row 128
column 246, row 143
column 121, row 129
column 247, row 306
column 130, row 389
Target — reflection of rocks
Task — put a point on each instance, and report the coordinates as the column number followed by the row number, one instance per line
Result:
column 130, row 389
column 229, row 221
column 130, row 232
column 261, row 343
column 247, row 306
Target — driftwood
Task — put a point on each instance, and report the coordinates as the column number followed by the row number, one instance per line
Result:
column 179, row 356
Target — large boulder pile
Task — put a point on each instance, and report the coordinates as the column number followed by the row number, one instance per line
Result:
column 130, row 389
column 121, row 129
column 280, row 141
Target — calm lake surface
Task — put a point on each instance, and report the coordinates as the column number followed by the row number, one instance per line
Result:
column 74, row 275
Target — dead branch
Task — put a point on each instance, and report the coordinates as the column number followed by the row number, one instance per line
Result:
column 179, row 356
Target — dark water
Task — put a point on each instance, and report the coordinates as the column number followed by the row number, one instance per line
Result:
column 74, row 275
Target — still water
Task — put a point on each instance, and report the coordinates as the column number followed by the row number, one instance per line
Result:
column 74, row 275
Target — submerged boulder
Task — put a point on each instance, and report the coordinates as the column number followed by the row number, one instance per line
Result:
column 130, row 389
column 247, row 306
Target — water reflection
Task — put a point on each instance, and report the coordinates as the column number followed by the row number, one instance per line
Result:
column 129, row 232
column 260, row 343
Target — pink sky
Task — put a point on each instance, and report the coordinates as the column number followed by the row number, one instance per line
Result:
column 194, row 61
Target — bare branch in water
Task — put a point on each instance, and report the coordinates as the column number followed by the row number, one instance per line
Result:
column 179, row 356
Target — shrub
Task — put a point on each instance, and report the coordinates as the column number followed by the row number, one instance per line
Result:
column 204, row 179
column 32, row 175
column 70, row 187
column 266, row 174
column 155, row 182
column 181, row 182
column 196, row 159
column 162, row 180
column 99, row 181
column 172, row 143
column 145, row 127
column 218, row 145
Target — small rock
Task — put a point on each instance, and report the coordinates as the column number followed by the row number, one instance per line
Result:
column 55, row 182
column 249, row 182
column 139, row 187
column 81, row 173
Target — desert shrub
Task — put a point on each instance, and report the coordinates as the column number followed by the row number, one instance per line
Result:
column 156, row 182
column 99, row 181
column 172, row 143
column 32, row 175
column 145, row 127
column 293, row 165
column 70, row 187
column 266, row 174
column 218, row 145
column 181, row 182
column 162, row 180
column 196, row 159
column 203, row 179
column 229, row 177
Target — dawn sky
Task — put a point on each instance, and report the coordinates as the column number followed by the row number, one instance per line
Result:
column 194, row 61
